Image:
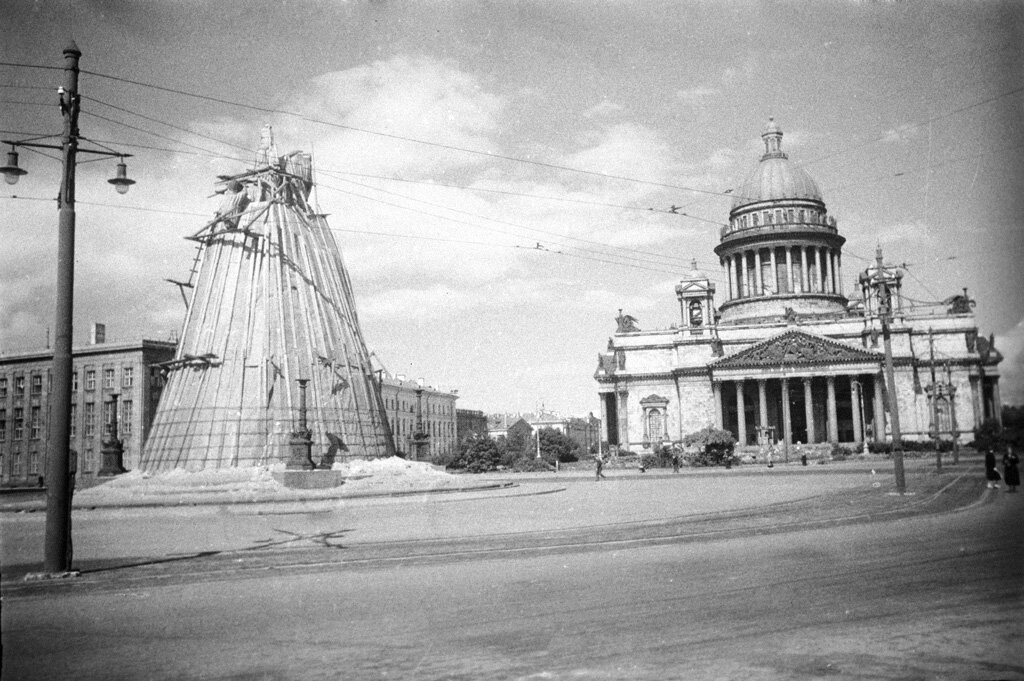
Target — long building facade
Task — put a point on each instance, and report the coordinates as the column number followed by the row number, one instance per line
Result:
column 793, row 354
column 422, row 418
column 130, row 370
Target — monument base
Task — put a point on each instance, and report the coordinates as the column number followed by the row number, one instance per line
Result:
column 310, row 479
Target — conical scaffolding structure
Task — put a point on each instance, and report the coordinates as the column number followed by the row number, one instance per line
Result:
column 271, row 325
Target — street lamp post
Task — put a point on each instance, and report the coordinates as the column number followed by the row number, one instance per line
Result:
column 879, row 281
column 57, row 553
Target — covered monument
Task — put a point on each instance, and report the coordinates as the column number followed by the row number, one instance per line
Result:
column 271, row 354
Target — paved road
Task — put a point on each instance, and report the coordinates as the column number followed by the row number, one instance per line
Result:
column 934, row 596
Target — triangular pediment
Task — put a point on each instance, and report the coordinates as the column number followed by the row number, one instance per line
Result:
column 796, row 348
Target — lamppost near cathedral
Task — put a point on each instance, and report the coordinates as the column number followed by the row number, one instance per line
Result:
column 880, row 280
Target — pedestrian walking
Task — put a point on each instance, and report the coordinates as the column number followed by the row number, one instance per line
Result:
column 675, row 463
column 1011, row 472
column 991, row 473
column 771, row 450
column 599, row 463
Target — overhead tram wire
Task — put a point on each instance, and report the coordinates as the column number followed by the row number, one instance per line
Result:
column 334, row 173
column 472, row 224
column 150, row 132
column 505, row 222
column 450, row 147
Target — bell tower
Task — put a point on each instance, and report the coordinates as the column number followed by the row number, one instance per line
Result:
column 696, row 294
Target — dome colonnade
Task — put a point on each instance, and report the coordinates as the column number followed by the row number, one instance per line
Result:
column 780, row 245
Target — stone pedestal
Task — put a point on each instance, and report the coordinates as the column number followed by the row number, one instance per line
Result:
column 113, row 459
column 301, row 446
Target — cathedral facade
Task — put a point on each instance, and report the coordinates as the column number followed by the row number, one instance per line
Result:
column 785, row 354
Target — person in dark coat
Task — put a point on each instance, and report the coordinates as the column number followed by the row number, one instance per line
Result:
column 599, row 463
column 1011, row 472
column 991, row 474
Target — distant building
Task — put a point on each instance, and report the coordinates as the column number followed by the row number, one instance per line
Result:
column 422, row 418
column 584, row 431
column 469, row 422
column 130, row 369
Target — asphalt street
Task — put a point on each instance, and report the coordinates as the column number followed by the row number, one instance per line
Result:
column 835, row 578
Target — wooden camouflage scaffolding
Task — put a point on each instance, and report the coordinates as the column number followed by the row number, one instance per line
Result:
column 271, row 303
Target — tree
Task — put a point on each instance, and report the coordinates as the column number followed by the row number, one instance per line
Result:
column 557, row 446
column 714, row 447
column 480, row 455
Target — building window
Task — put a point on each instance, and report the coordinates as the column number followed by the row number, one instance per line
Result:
column 37, row 384
column 800, row 215
column 754, row 219
column 33, row 463
column 789, row 215
column 108, row 378
column 19, row 423
column 19, row 386
column 74, row 381
column 89, row 465
column 3, row 387
column 108, row 411
column 3, row 424
column 16, row 470
column 767, row 217
column 34, row 423
column 90, row 379
column 125, row 425
column 127, row 377
column 90, row 419
column 73, row 425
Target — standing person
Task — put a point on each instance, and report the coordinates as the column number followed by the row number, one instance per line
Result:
column 675, row 462
column 991, row 474
column 1010, row 471
column 599, row 463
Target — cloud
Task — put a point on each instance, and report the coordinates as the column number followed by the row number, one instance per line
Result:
column 602, row 110
column 901, row 133
column 696, row 96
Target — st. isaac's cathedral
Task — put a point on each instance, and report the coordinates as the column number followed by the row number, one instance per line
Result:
column 789, row 356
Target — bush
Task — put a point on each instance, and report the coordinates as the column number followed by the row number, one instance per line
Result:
column 530, row 464
column 989, row 435
column 714, row 447
column 557, row 446
column 477, row 455
column 649, row 460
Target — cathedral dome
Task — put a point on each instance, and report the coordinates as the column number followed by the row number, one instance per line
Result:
column 775, row 177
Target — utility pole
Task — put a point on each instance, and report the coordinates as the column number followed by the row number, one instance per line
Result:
column 879, row 282
column 933, row 398
column 57, row 542
column 953, row 427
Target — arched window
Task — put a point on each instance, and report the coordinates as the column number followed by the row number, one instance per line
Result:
column 754, row 218
column 655, row 424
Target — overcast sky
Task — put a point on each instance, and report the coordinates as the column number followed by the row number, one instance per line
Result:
column 444, row 134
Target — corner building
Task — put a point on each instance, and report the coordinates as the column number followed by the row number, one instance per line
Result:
column 789, row 355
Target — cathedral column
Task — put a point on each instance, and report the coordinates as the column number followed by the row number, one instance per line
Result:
column 809, row 411
column 787, row 422
column 741, row 414
column 997, row 402
column 805, row 277
column 833, row 414
column 741, row 290
column 828, row 288
column 816, row 286
column 879, row 410
column 716, row 389
column 789, row 270
column 979, row 413
column 758, row 284
column 622, row 400
column 762, row 402
column 728, row 271
column 839, row 272
column 775, row 272
column 855, row 402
